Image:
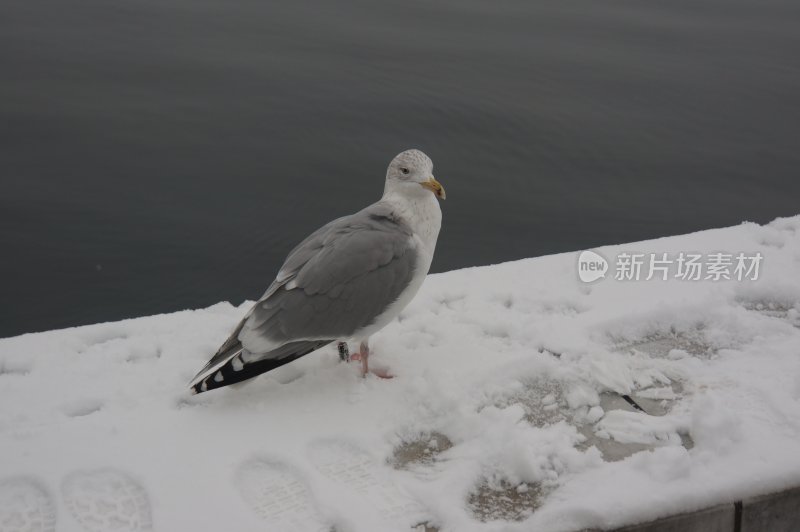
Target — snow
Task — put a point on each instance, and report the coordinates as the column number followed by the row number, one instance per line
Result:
column 506, row 412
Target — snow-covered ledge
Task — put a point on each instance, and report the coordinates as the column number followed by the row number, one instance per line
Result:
column 524, row 399
column 773, row 512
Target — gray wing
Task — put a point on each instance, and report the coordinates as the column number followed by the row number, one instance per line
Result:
column 335, row 282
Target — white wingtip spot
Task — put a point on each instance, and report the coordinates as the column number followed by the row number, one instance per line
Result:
column 237, row 364
column 218, row 377
column 204, row 387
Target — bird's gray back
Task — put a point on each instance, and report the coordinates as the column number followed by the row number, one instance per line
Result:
column 335, row 282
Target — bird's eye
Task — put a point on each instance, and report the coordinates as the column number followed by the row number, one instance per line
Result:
column 404, row 170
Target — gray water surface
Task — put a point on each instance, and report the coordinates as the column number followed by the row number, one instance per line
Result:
column 157, row 155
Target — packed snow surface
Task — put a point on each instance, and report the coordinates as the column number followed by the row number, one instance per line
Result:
column 507, row 410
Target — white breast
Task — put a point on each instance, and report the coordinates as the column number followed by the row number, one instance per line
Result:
column 424, row 216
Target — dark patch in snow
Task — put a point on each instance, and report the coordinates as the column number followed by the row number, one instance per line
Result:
column 82, row 407
column 543, row 402
column 785, row 309
column 447, row 301
column 545, row 351
column 613, row 450
column 420, row 452
column 505, row 502
column 660, row 344
column 659, row 407
column 610, row 449
column 15, row 369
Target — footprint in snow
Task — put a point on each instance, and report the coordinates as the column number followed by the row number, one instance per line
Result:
column 17, row 368
column 104, row 335
column 419, row 454
column 25, row 506
column 505, row 502
column 81, row 407
column 661, row 344
column 352, row 466
column 785, row 309
column 278, row 494
column 107, row 500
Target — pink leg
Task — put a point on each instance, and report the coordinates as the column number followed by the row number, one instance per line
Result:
column 363, row 356
column 364, row 352
column 354, row 356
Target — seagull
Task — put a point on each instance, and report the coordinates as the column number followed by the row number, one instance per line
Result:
column 343, row 283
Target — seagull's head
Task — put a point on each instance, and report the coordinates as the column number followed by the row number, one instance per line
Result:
column 411, row 173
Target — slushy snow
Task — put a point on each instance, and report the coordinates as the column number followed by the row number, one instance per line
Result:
column 508, row 409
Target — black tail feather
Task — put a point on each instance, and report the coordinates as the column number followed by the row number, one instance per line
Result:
column 237, row 370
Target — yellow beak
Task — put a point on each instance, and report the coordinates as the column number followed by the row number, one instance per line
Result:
column 435, row 187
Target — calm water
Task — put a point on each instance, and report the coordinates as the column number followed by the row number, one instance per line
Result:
column 157, row 155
